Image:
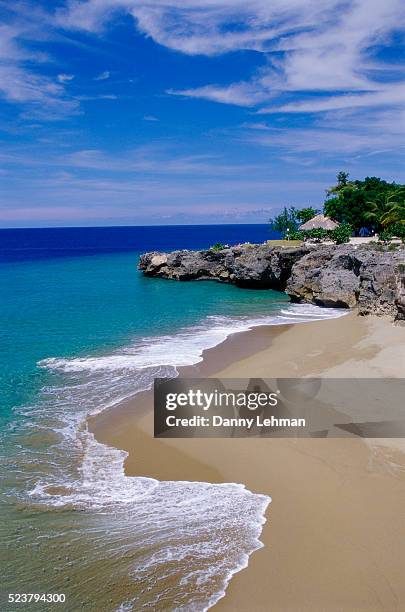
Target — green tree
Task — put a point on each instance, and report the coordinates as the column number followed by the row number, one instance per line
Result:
column 372, row 203
column 218, row 246
column 305, row 214
column 364, row 203
column 394, row 212
column 395, row 215
column 386, row 207
column 342, row 178
column 395, row 229
column 342, row 181
column 285, row 221
column 348, row 207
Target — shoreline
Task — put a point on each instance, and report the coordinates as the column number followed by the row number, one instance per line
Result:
column 327, row 495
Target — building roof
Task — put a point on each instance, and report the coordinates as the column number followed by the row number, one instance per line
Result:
column 319, row 222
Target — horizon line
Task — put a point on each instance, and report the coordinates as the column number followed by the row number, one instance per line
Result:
column 116, row 226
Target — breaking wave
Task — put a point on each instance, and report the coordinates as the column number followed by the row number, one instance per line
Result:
column 186, row 539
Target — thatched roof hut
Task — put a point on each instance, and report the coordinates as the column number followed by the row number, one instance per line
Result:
column 319, row 222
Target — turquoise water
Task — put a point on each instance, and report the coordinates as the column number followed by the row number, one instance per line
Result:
column 77, row 306
column 78, row 332
column 80, row 329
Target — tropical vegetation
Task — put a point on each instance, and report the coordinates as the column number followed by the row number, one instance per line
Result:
column 362, row 207
column 218, row 246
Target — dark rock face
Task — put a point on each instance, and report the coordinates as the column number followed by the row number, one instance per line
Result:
column 247, row 266
column 343, row 276
column 400, row 298
column 326, row 277
column 346, row 277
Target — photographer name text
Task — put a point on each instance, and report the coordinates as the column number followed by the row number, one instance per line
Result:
column 245, row 422
column 195, row 398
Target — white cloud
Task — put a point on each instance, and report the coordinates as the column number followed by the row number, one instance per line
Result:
column 103, row 76
column 89, row 15
column 20, row 83
column 65, row 78
column 338, row 136
column 240, row 94
column 197, row 26
column 147, row 160
column 392, row 95
column 86, row 98
column 312, row 46
column 319, row 56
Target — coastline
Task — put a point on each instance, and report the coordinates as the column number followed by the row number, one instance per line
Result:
column 327, row 495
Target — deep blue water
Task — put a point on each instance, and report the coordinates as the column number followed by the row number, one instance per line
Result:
column 74, row 291
column 45, row 243
column 80, row 329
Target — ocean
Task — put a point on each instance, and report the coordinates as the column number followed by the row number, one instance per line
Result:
column 82, row 329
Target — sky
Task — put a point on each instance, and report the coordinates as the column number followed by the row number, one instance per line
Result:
column 143, row 112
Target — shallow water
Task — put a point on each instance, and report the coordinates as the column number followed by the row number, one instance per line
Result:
column 81, row 332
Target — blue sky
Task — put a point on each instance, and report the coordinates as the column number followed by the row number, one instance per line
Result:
column 193, row 111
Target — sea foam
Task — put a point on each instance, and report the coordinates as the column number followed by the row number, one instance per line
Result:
column 187, row 538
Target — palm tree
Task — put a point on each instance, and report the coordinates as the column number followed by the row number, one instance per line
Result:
column 376, row 208
column 387, row 208
column 396, row 214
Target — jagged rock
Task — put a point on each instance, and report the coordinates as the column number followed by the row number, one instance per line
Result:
column 381, row 284
column 158, row 260
column 348, row 276
column 327, row 276
column 369, row 277
column 247, row 265
column 400, row 293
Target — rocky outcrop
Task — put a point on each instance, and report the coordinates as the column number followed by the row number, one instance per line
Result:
column 346, row 276
column 326, row 276
column 369, row 277
column 247, row 265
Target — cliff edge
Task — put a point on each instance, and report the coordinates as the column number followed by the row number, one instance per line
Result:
column 370, row 277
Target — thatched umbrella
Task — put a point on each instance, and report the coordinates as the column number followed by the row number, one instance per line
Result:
column 319, row 222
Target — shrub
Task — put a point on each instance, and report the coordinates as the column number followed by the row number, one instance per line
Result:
column 398, row 229
column 395, row 230
column 318, row 233
column 294, row 235
column 342, row 233
column 385, row 235
column 304, row 234
column 218, row 246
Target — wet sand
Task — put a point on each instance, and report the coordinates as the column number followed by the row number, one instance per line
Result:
column 335, row 533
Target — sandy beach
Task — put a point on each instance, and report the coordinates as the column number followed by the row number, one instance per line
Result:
column 334, row 539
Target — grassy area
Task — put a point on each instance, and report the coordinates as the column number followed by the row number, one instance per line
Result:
column 285, row 243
